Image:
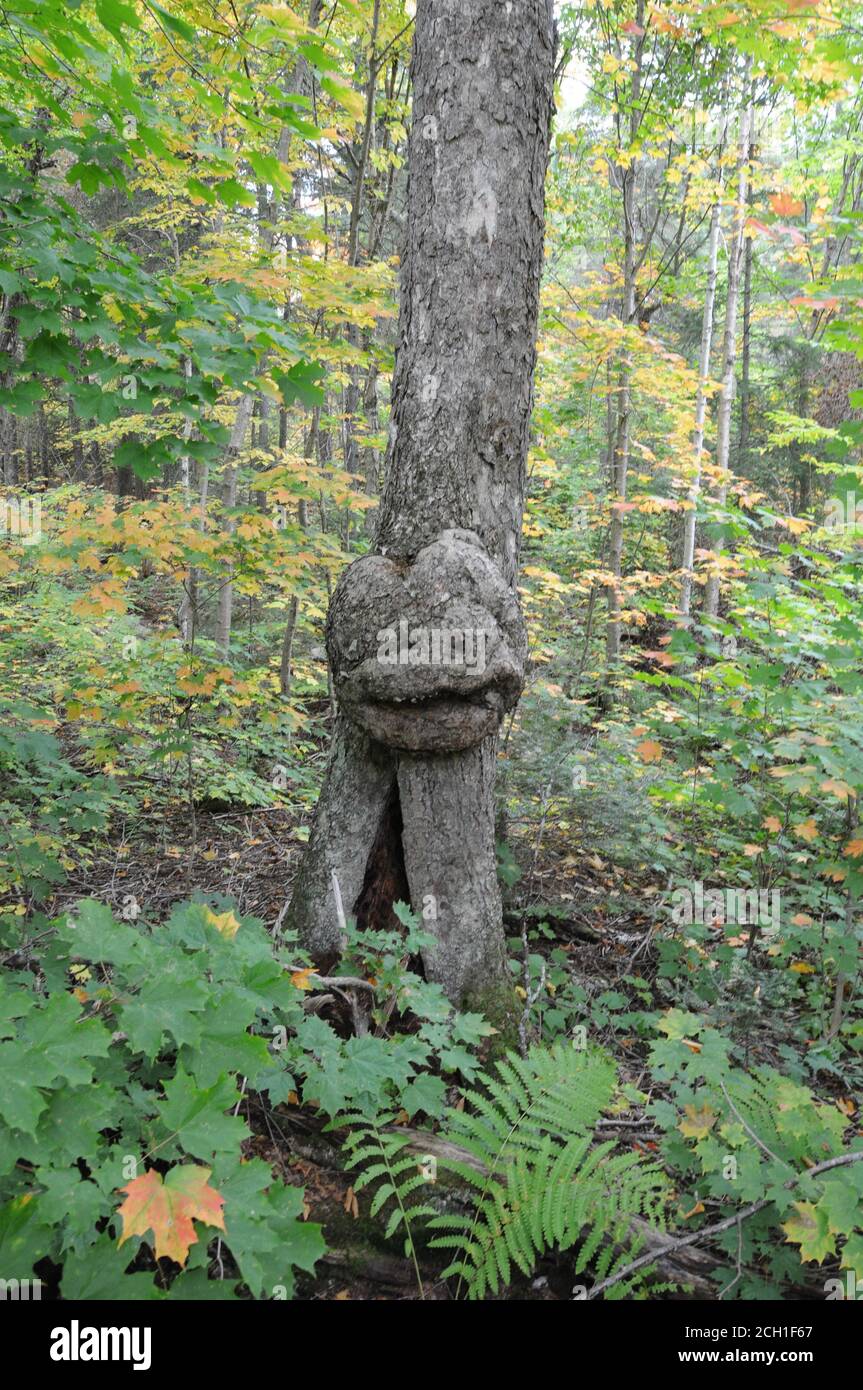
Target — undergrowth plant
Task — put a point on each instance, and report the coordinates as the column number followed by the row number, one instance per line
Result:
column 760, row 1144
column 536, row 1180
column 379, row 1151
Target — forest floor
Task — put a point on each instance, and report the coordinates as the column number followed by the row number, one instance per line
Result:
column 251, row 857
column 598, row 918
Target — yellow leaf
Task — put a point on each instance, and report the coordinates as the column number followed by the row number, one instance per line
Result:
column 836, row 788
column 809, row 1229
column 807, row 830
column 698, row 1123
column 224, row 922
column 302, row 979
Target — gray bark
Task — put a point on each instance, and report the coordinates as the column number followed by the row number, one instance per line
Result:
column 359, row 779
column 628, row 176
column 690, row 523
column 415, row 746
column 729, row 350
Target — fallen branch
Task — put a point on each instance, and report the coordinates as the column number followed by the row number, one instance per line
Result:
column 706, row 1232
column 677, row 1258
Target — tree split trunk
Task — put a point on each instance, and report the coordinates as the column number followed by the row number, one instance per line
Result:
column 425, row 636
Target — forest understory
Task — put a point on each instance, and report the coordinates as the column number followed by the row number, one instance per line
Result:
column 431, row 667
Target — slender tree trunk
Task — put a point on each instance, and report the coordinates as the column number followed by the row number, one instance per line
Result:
column 226, row 592
column 689, row 526
column 729, row 350
column 629, row 173
column 352, row 389
column 408, row 807
column 746, row 353
column 371, row 464
column 285, row 668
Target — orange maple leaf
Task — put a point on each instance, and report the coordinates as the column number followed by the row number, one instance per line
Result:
column 649, row 751
column 807, row 830
column 784, row 205
column 169, row 1208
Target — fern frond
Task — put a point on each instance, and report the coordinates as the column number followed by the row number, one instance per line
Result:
column 545, row 1185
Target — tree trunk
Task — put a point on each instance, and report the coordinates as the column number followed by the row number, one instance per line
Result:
column 286, row 660
column 628, row 176
column 746, row 355
column 729, row 349
column 229, row 483
column 689, row 525
column 424, row 635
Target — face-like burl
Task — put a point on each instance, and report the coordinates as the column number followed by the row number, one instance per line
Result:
column 427, row 655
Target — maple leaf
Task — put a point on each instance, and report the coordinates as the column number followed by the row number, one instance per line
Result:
column 853, row 849
column 169, row 1208
column 224, row 922
column 772, row 823
column 302, row 979
column 698, row 1123
column 784, row 205
column 649, row 751
column 809, row 1230
column 807, row 830
column 836, row 788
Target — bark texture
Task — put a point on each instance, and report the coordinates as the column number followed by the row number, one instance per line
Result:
column 427, row 656
column 425, row 636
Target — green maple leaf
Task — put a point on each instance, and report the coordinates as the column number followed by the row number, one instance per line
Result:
column 266, row 1234
column 810, row 1230
column 24, row 1237
column 197, row 1116
column 171, row 1004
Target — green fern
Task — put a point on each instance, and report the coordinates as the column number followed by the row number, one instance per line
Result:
column 541, row 1183
column 379, row 1152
